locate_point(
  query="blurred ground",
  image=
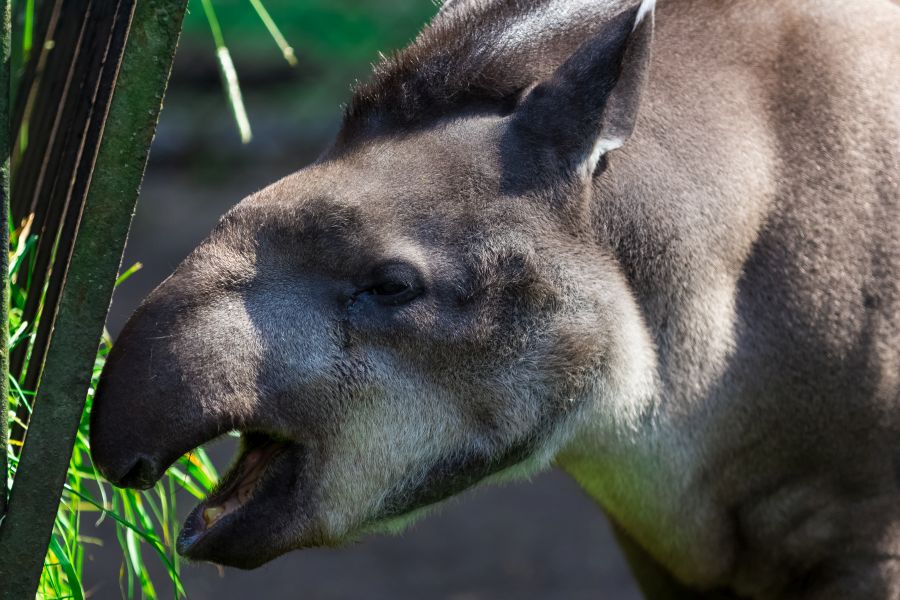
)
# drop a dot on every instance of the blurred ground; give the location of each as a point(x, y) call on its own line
point(543, 539)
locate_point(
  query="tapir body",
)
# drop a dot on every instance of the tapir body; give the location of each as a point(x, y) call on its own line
point(660, 249)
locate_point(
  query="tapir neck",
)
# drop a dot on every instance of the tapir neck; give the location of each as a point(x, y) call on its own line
point(630, 452)
point(647, 485)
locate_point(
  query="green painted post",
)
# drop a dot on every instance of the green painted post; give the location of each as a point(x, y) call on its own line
point(4, 242)
point(88, 288)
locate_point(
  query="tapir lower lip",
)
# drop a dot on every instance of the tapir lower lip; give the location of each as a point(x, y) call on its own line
point(255, 459)
point(216, 542)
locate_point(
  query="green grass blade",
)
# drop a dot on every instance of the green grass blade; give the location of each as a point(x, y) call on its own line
point(129, 272)
point(229, 75)
point(28, 31)
point(150, 538)
point(185, 481)
point(126, 575)
point(72, 579)
point(18, 335)
point(286, 50)
point(233, 89)
point(22, 250)
point(200, 468)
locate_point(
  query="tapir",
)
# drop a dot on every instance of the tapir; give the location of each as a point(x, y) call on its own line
point(657, 246)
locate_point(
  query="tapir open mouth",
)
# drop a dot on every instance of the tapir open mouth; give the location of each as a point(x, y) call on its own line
point(238, 494)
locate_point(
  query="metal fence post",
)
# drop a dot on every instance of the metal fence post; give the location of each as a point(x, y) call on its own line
point(5, 146)
point(86, 293)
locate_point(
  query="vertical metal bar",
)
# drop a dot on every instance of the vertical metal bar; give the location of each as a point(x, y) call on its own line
point(43, 159)
point(4, 241)
point(68, 162)
point(29, 87)
point(87, 291)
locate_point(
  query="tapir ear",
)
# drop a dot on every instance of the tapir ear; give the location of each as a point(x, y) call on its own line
point(588, 107)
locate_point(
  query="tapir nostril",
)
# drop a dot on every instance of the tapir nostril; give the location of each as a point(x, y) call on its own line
point(140, 476)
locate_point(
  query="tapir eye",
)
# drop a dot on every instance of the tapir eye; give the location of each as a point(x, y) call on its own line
point(390, 288)
point(395, 284)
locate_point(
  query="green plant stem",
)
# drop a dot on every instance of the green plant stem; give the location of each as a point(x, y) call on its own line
point(213, 21)
point(229, 75)
point(28, 30)
point(276, 34)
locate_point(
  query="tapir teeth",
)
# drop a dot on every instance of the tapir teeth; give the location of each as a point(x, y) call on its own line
point(212, 514)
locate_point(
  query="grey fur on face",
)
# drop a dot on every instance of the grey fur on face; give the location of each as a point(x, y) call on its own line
point(661, 250)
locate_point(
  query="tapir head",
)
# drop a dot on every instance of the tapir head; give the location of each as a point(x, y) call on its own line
point(425, 307)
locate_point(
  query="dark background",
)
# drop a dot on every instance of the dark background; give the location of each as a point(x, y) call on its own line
point(543, 539)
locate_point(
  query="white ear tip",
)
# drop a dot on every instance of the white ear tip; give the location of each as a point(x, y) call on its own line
point(646, 8)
